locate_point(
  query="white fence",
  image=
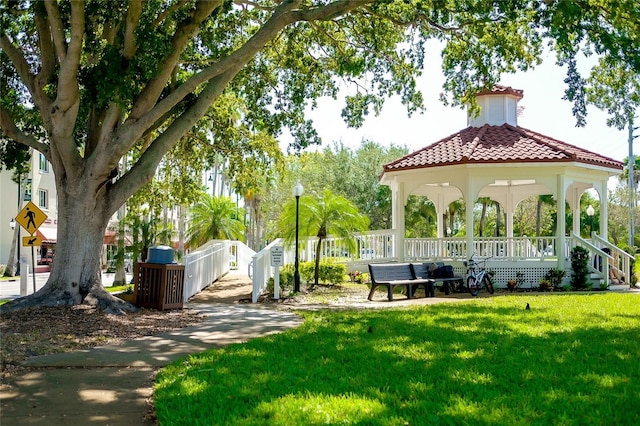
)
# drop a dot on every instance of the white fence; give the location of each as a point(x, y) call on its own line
point(532, 257)
point(205, 265)
point(260, 269)
point(517, 248)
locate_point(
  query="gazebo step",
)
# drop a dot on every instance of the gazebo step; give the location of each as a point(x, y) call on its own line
point(619, 287)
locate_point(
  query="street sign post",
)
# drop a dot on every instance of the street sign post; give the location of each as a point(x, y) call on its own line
point(30, 218)
point(277, 260)
point(32, 240)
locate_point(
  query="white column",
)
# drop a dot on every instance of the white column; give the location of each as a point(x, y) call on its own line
point(574, 203)
point(561, 240)
point(470, 201)
point(604, 209)
point(397, 217)
point(440, 210)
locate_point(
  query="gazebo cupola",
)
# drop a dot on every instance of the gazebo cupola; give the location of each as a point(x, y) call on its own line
point(497, 107)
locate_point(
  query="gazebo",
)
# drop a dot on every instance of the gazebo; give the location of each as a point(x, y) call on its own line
point(494, 157)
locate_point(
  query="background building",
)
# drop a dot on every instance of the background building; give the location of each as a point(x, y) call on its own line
point(39, 187)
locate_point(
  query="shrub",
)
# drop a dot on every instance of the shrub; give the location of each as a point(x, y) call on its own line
point(329, 272)
point(555, 277)
point(286, 279)
point(579, 267)
point(359, 277)
point(2, 269)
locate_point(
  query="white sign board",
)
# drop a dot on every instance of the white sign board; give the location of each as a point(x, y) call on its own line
point(277, 256)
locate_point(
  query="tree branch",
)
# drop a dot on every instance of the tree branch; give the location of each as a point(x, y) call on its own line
point(133, 19)
point(285, 14)
point(329, 11)
point(47, 54)
point(57, 29)
point(279, 20)
point(19, 62)
point(183, 36)
point(68, 90)
point(144, 169)
point(167, 12)
point(9, 129)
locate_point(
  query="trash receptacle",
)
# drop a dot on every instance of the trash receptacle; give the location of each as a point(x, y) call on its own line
point(160, 254)
point(159, 283)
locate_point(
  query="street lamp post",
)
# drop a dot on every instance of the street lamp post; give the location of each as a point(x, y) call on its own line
point(297, 192)
point(590, 212)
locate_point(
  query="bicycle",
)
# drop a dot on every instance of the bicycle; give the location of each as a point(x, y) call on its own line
point(477, 276)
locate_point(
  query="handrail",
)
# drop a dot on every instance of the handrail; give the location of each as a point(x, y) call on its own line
point(262, 269)
point(625, 260)
point(595, 254)
point(205, 265)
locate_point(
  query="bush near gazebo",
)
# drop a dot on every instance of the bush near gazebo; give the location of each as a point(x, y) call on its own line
point(579, 267)
point(330, 272)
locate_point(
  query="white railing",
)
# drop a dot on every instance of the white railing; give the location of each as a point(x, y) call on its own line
point(621, 257)
point(260, 269)
point(205, 265)
point(535, 255)
point(499, 248)
point(368, 245)
point(600, 261)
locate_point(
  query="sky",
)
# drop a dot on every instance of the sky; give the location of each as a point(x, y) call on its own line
point(544, 111)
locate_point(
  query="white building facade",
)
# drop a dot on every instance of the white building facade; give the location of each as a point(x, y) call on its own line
point(39, 187)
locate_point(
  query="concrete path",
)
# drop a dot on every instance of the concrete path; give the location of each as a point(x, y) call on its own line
point(112, 385)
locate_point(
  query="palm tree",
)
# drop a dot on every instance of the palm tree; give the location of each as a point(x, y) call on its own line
point(455, 209)
point(323, 215)
point(214, 218)
point(543, 200)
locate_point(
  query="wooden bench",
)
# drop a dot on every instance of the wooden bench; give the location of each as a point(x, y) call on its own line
point(426, 270)
point(392, 275)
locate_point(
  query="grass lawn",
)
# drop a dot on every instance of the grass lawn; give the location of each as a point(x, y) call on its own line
point(569, 360)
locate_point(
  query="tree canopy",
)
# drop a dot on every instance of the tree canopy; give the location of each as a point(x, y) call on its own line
point(89, 83)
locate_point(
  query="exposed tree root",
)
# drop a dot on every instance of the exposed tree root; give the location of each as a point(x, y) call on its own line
point(99, 298)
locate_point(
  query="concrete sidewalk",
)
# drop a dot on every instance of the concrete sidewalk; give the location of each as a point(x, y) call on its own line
point(112, 385)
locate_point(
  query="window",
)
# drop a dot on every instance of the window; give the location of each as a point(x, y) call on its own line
point(43, 199)
point(44, 164)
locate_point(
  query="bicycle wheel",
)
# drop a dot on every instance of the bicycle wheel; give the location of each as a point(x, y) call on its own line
point(488, 284)
point(473, 286)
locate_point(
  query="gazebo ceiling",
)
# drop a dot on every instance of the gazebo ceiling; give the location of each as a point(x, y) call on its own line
point(504, 144)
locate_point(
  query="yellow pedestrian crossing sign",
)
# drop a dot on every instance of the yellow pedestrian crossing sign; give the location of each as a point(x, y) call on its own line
point(32, 240)
point(31, 217)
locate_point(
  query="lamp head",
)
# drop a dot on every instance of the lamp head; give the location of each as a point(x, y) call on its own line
point(590, 210)
point(298, 189)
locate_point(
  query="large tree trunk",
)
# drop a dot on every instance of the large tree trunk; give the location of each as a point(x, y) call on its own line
point(75, 276)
